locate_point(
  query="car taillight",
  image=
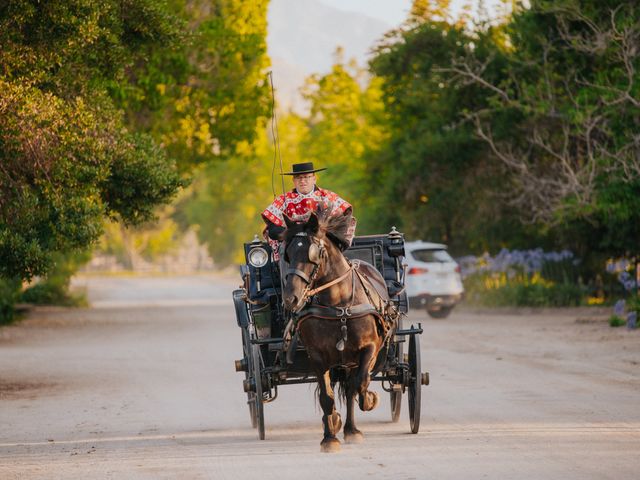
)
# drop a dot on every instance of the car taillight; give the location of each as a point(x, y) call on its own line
point(417, 270)
point(458, 268)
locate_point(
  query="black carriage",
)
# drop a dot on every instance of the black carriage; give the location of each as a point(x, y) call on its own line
point(270, 360)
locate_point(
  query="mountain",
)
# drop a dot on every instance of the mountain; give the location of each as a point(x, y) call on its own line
point(302, 39)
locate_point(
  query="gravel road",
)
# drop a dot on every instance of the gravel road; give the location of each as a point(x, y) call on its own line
point(142, 386)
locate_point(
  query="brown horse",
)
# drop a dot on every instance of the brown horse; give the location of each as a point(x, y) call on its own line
point(339, 319)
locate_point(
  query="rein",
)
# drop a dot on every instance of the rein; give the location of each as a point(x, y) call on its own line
point(312, 292)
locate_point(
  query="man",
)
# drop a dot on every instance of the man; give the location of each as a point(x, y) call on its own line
point(298, 203)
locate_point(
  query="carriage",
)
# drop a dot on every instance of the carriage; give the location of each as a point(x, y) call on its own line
point(272, 357)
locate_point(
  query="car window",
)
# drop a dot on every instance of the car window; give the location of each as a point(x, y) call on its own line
point(431, 255)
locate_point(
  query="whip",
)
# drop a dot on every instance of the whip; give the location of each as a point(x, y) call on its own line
point(276, 139)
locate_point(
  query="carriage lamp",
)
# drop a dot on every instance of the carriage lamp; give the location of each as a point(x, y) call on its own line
point(258, 257)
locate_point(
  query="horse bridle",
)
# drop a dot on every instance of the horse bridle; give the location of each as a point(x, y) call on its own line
point(316, 252)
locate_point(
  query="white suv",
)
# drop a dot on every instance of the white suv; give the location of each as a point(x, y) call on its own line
point(433, 278)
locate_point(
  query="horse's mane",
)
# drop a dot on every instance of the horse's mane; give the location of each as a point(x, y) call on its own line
point(334, 227)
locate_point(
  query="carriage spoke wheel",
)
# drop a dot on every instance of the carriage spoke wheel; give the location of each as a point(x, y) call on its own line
point(257, 375)
point(415, 383)
point(396, 404)
point(251, 401)
point(396, 396)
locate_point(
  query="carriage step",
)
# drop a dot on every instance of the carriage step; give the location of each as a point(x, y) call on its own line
point(425, 379)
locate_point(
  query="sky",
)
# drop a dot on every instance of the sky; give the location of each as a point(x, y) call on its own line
point(393, 12)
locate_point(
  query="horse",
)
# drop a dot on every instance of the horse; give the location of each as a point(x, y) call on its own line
point(340, 318)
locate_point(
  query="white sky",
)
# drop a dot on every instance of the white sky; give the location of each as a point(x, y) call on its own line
point(394, 12)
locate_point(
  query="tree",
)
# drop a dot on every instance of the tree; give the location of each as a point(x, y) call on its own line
point(346, 120)
point(93, 95)
point(563, 115)
point(436, 178)
point(206, 97)
point(67, 158)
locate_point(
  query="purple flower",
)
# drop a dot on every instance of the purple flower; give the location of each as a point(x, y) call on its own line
point(618, 308)
point(627, 281)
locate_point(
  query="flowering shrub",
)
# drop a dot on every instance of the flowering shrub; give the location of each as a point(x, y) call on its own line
point(522, 278)
point(622, 267)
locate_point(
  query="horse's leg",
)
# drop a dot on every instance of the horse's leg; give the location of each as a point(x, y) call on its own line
point(331, 419)
point(366, 400)
point(351, 433)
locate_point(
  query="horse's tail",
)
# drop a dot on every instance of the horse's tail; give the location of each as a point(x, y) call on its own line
point(340, 393)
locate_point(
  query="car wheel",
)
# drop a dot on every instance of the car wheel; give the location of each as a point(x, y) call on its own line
point(442, 312)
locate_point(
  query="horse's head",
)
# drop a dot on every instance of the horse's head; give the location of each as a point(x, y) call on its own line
point(309, 248)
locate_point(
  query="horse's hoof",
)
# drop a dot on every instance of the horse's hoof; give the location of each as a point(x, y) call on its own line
point(368, 401)
point(353, 437)
point(330, 445)
point(335, 422)
point(375, 399)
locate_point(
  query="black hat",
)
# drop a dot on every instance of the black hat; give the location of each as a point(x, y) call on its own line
point(302, 168)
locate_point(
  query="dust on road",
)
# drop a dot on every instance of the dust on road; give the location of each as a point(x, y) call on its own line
point(142, 386)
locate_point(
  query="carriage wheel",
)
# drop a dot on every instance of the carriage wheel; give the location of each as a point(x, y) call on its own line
point(396, 404)
point(257, 375)
point(251, 401)
point(396, 397)
point(415, 383)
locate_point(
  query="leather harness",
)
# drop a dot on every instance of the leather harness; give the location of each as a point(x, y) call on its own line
point(350, 311)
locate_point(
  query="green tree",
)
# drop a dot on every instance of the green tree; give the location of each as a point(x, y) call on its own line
point(435, 179)
point(346, 120)
point(206, 97)
point(67, 158)
point(563, 117)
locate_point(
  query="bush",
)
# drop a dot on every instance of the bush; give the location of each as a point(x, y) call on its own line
point(532, 295)
point(45, 293)
point(616, 321)
point(54, 289)
point(523, 278)
point(633, 304)
point(9, 293)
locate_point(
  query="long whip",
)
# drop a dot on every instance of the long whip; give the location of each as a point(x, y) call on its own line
point(277, 155)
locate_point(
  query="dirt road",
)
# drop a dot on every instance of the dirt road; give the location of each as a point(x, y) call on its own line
point(142, 386)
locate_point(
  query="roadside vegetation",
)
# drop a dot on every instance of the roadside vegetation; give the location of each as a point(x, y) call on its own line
point(105, 108)
point(513, 136)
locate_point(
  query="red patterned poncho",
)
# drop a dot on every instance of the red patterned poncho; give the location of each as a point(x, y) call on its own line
point(298, 207)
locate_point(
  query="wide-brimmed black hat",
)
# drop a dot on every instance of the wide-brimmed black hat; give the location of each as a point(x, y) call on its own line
point(302, 168)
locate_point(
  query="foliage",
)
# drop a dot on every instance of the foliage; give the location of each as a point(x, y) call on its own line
point(616, 321)
point(345, 121)
point(533, 295)
point(633, 304)
point(99, 101)
point(226, 199)
point(562, 115)
point(67, 158)
point(203, 98)
point(54, 288)
point(522, 278)
point(207, 101)
point(148, 241)
point(9, 294)
point(434, 167)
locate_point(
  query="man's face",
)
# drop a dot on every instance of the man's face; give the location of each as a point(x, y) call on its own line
point(304, 183)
